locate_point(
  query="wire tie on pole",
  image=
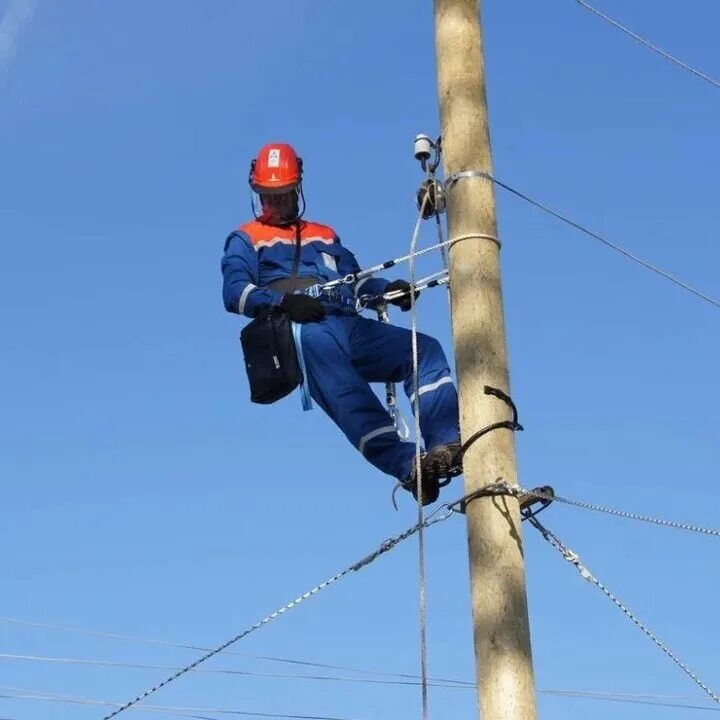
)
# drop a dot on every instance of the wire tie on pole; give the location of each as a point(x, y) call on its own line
point(475, 236)
point(498, 488)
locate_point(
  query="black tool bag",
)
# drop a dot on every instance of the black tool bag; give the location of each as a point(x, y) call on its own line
point(271, 360)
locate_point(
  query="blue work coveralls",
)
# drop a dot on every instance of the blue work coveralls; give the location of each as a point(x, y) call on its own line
point(344, 352)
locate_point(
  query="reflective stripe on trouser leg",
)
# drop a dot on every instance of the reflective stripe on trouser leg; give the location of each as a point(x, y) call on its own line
point(348, 399)
point(383, 352)
point(388, 430)
point(430, 387)
point(439, 415)
point(437, 396)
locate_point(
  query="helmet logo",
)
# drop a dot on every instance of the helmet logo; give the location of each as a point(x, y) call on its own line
point(274, 157)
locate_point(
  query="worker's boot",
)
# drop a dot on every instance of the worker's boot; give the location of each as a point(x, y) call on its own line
point(430, 482)
point(444, 461)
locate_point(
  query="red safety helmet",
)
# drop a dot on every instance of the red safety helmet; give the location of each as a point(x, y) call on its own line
point(276, 169)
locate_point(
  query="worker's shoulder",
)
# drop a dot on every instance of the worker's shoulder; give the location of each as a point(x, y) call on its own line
point(310, 226)
point(238, 235)
point(312, 230)
point(255, 229)
point(260, 233)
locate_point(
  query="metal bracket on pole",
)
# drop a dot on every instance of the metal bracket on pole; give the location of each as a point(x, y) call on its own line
point(528, 499)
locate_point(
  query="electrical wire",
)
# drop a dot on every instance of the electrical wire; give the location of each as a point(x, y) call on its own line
point(578, 226)
point(648, 44)
point(411, 682)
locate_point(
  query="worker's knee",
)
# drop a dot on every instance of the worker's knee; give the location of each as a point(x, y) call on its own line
point(430, 350)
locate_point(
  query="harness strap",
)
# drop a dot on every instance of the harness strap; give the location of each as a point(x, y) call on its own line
point(291, 284)
point(304, 387)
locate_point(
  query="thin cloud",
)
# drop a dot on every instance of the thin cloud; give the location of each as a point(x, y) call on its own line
point(17, 14)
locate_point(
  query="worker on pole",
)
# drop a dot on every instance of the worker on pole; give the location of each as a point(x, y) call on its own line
point(273, 268)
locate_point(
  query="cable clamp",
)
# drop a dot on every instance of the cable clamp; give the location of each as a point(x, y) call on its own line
point(574, 558)
point(465, 174)
point(542, 496)
point(430, 198)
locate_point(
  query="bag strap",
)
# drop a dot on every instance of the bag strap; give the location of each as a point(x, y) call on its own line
point(296, 328)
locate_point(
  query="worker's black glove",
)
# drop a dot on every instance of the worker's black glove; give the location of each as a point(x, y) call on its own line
point(302, 308)
point(403, 302)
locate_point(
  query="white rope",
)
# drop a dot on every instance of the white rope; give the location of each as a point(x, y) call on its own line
point(432, 280)
point(418, 468)
point(367, 272)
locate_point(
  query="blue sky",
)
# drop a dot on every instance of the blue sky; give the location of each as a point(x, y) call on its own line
point(144, 495)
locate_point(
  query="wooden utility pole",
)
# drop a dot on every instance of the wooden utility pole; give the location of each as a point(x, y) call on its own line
point(497, 576)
